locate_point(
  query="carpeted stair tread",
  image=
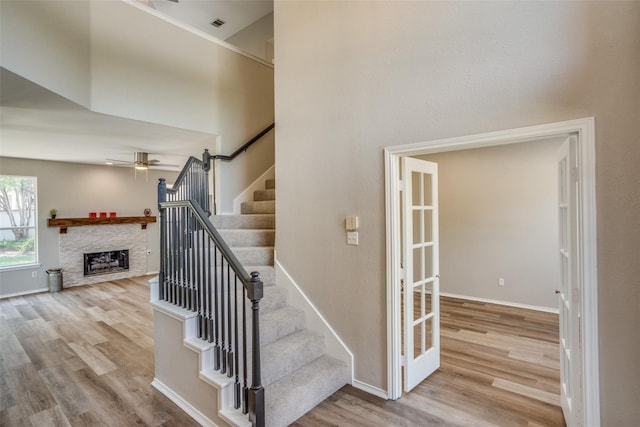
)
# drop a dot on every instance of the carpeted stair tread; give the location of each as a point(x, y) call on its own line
point(258, 221)
point(270, 184)
point(257, 255)
point(260, 195)
point(280, 323)
point(248, 237)
point(290, 353)
point(275, 298)
point(261, 207)
point(294, 395)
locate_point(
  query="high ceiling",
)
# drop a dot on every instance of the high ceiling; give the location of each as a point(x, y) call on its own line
point(36, 123)
point(236, 14)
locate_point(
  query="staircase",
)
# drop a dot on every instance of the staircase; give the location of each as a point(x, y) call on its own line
point(297, 374)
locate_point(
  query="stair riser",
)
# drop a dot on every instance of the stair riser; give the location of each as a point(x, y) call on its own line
point(280, 323)
point(255, 256)
point(265, 207)
point(291, 397)
point(263, 222)
point(270, 184)
point(262, 195)
point(244, 238)
point(290, 353)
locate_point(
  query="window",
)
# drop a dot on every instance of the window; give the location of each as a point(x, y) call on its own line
point(18, 231)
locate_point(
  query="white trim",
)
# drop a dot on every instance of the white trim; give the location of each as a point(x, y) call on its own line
point(315, 320)
point(15, 267)
point(584, 130)
point(20, 294)
point(196, 32)
point(368, 388)
point(173, 311)
point(247, 194)
point(392, 199)
point(182, 404)
point(498, 302)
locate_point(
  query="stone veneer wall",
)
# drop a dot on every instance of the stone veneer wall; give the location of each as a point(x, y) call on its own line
point(98, 238)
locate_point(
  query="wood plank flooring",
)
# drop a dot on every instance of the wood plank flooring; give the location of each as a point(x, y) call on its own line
point(499, 367)
point(84, 357)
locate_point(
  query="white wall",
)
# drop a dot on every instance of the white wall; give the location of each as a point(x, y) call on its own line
point(75, 190)
point(253, 39)
point(355, 77)
point(63, 26)
point(498, 218)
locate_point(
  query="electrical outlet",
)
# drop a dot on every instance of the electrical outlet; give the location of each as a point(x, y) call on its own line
point(34, 274)
point(501, 281)
point(352, 238)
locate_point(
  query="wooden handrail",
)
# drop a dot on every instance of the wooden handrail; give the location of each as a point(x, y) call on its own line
point(245, 146)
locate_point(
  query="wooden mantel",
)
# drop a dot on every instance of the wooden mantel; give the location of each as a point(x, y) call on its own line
point(63, 223)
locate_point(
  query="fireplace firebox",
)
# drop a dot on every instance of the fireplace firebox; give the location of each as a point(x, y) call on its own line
point(107, 262)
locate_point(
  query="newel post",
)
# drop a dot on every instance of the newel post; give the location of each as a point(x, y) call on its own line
point(162, 197)
point(256, 392)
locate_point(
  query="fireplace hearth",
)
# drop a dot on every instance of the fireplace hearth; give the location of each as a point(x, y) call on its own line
point(107, 262)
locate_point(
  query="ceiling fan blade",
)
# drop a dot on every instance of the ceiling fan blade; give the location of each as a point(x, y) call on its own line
point(125, 162)
point(163, 164)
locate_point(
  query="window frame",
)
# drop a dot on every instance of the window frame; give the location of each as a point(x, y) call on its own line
point(36, 258)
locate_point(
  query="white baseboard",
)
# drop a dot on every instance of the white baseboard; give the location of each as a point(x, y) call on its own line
point(182, 404)
point(315, 320)
point(20, 294)
point(247, 194)
point(370, 389)
point(506, 303)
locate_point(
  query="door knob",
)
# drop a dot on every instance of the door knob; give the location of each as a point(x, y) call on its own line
point(558, 292)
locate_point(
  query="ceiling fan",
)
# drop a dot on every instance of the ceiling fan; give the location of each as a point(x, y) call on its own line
point(141, 161)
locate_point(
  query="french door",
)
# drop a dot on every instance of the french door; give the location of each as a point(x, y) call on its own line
point(569, 294)
point(420, 278)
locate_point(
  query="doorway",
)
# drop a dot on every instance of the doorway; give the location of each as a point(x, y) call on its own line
point(582, 131)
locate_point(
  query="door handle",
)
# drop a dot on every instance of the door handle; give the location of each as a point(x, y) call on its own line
point(558, 292)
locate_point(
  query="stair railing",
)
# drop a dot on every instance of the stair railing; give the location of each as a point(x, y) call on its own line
point(210, 159)
point(199, 272)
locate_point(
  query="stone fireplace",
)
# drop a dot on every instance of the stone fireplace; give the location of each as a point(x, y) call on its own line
point(105, 245)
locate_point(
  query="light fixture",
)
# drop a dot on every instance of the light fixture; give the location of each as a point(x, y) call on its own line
point(141, 161)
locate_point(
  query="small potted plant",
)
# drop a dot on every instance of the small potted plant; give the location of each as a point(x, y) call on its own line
point(53, 212)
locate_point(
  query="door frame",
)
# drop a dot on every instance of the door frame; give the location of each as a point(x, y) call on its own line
point(584, 130)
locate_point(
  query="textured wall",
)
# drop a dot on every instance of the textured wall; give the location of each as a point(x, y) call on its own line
point(498, 218)
point(355, 77)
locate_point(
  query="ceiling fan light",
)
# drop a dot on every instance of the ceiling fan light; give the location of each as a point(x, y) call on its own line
point(141, 167)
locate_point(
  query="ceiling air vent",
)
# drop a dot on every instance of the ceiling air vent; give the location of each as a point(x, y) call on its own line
point(217, 23)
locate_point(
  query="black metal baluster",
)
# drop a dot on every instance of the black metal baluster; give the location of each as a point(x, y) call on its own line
point(223, 368)
point(245, 356)
point(229, 326)
point(216, 312)
point(235, 342)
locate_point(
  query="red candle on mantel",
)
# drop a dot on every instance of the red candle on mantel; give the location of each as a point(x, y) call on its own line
point(112, 214)
point(92, 215)
point(103, 214)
